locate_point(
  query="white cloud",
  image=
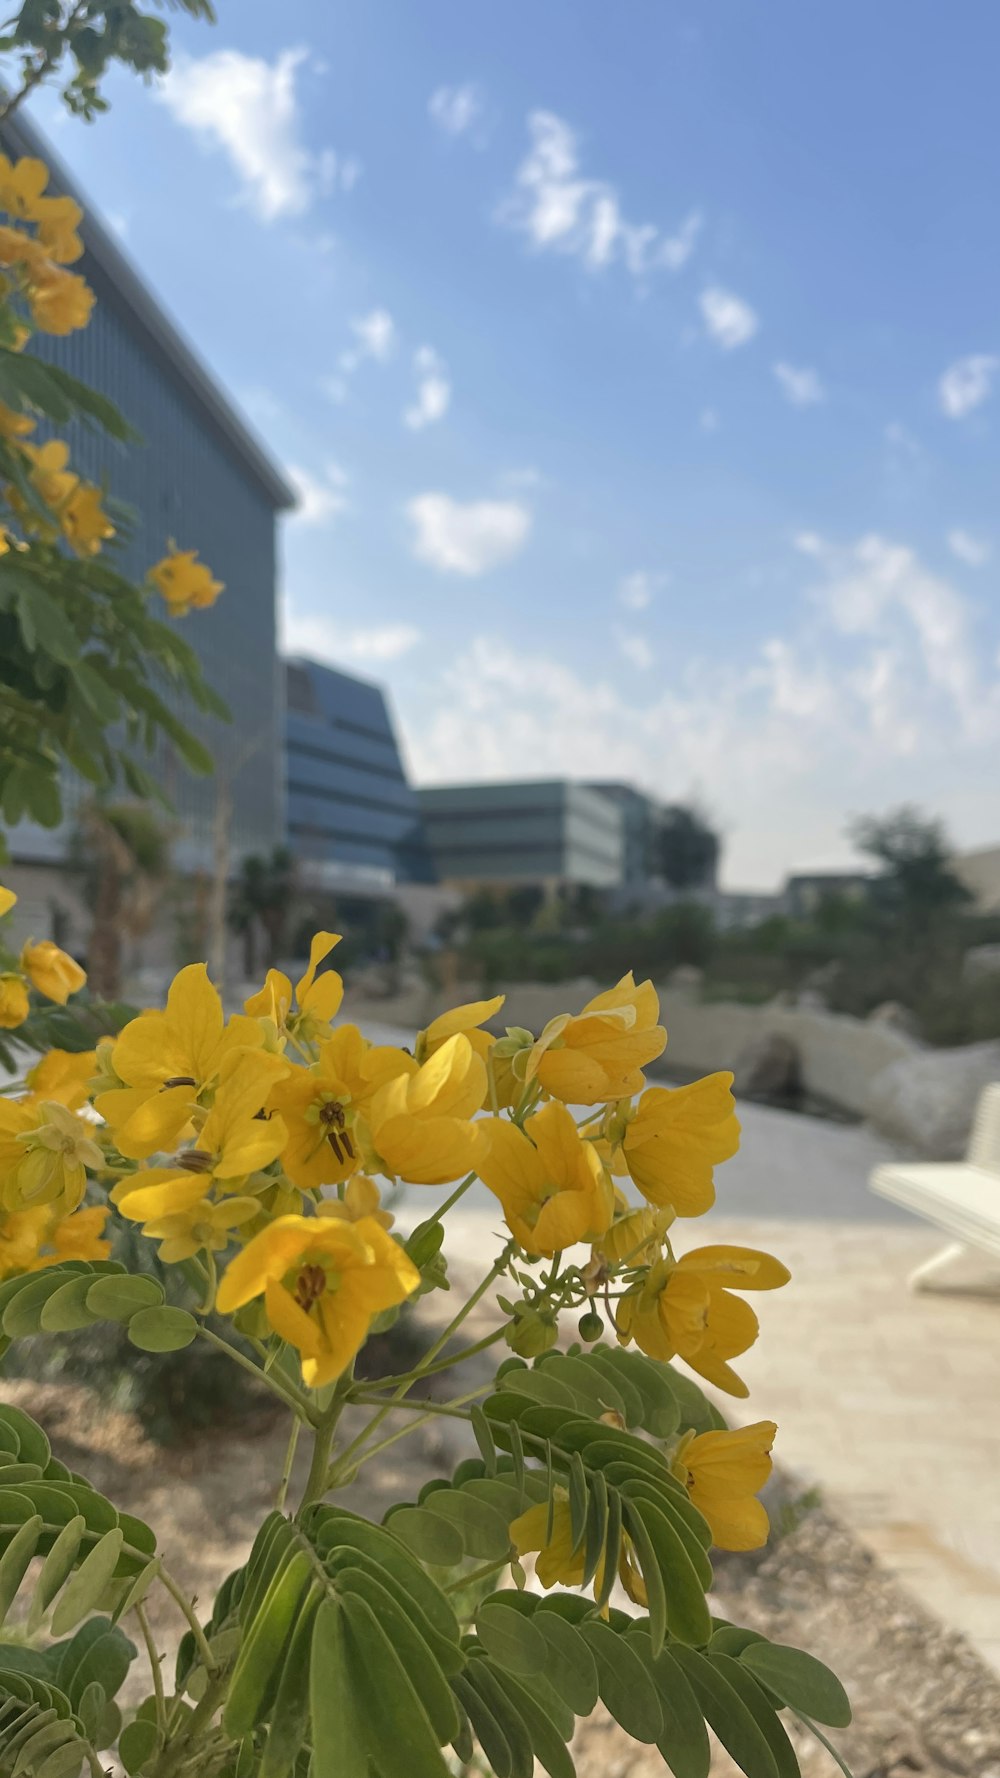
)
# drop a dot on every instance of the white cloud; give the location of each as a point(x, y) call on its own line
point(321, 498)
point(967, 383)
point(635, 591)
point(561, 211)
point(897, 435)
point(466, 538)
point(248, 107)
point(376, 337)
point(799, 385)
point(636, 650)
point(975, 552)
point(883, 689)
point(730, 321)
point(456, 108)
point(323, 638)
point(433, 397)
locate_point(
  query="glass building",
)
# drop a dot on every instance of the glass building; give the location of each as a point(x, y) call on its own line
point(554, 833)
point(200, 478)
point(353, 821)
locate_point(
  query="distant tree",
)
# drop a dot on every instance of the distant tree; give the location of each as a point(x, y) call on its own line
point(263, 896)
point(686, 849)
point(915, 881)
point(523, 902)
point(121, 852)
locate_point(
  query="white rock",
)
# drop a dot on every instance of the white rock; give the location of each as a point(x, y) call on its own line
point(927, 1101)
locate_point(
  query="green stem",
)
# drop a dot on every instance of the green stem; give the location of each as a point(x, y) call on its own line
point(155, 1667)
point(317, 1481)
point(286, 1473)
point(459, 1192)
point(478, 1574)
point(440, 1364)
point(201, 1641)
point(343, 1463)
point(291, 1397)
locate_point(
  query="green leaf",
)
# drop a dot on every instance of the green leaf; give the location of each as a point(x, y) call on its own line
point(486, 1688)
point(432, 1538)
point(403, 1628)
point(735, 1725)
point(390, 1707)
point(86, 1586)
point(339, 1746)
point(800, 1681)
point(120, 1297)
point(259, 1662)
point(138, 1745)
point(164, 1329)
point(67, 1308)
point(290, 1714)
point(15, 1560)
point(511, 1638)
point(625, 1685)
point(547, 1744)
point(56, 1568)
point(684, 1741)
point(487, 1729)
point(569, 1663)
point(762, 1711)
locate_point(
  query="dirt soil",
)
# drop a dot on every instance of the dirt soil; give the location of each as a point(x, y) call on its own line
point(924, 1703)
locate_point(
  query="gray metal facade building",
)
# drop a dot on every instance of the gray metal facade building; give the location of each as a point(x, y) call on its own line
point(201, 479)
point(353, 820)
point(553, 832)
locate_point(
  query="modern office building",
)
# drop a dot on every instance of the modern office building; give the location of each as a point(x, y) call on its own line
point(640, 822)
point(200, 478)
point(555, 833)
point(353, 821)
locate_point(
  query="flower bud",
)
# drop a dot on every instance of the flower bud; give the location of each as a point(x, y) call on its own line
point(590, 1326)
point(532, 1331)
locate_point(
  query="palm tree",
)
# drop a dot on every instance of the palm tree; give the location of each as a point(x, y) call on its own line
point(262, 896)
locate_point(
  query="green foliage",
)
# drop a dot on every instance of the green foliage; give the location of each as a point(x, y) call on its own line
point(89, 35)
point(686, 848)
point(348, 1643)
point(263, 893)
point(90, 676)
point(916, 881)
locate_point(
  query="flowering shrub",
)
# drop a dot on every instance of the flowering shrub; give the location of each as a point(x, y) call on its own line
point(254, 1151)
point(81, 648)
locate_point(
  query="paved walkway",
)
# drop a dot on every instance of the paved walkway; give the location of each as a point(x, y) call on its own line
point(885, 1400)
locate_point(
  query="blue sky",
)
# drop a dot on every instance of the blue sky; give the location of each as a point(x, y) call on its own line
point(639, 368)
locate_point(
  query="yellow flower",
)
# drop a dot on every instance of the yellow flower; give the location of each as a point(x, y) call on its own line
point(723, 1472)
point(671, 1140)
point(320, 1105)
point(57, 220)
point(318, 997)
point(21, 185)
point(361, 1198)
point(14, 1003)
point(14, 425)
point(323, 1281)
point(185, 583)
point(418, 1126)
point(55, 483)
point(466, 1018)
point(74, 1237)
point(45, 1150)
point(232, 1143)
point(18, 248)
point(635, 1237)
point(201, 1225)
point(599, 1053)
point(8, 897)
point(553, 1186)
point(166, 1061)
point(63, 1075)
point(85, 523)
point(21, 1235)
point(51, 971)
point(557, 1562)
point(60, 302)
point(685, 1308)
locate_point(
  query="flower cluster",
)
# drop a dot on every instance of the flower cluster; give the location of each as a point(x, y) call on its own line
point(43, 966)
point(38, 241)
point(254, 1150)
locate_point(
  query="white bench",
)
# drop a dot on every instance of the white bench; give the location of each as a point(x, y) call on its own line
point(960, 1197)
